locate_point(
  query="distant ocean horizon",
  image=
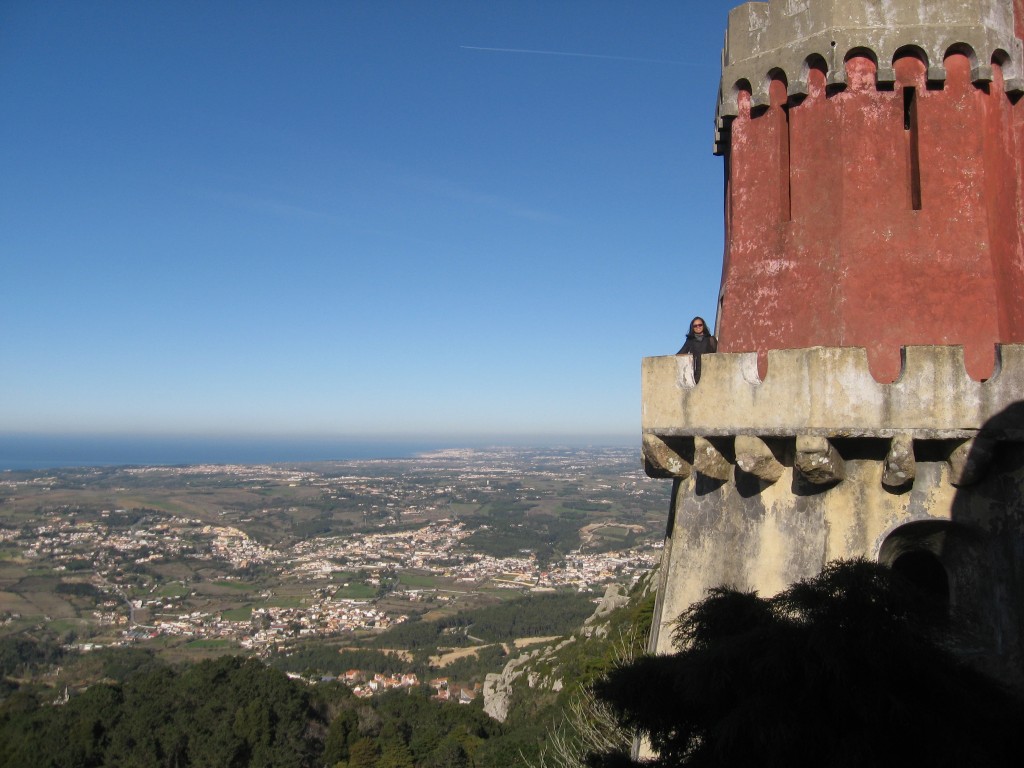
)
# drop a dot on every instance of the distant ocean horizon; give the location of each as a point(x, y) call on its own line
point(34, 452)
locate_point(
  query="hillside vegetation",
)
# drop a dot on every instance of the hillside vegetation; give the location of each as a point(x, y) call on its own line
point(129, 708)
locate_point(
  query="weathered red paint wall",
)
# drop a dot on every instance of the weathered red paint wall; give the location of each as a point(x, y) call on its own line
point(1004, 172)
point(824, 247)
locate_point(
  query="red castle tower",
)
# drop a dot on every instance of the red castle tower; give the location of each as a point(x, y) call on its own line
point(867, 399)
point(873, 178)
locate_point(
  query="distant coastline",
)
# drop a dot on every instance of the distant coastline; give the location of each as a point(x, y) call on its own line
point(35, 452)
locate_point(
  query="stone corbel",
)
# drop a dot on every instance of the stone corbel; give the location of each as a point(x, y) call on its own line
point(708, 460)
point(755, 457)
point(836, 77)
point(900, 467)
point(1013, 85)
point(759, 98)
point(969, 460)
point(818, 461)
point(981, 73)
point(885, 76)
point(667, 457)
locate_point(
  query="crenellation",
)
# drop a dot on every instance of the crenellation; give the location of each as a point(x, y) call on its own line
point(762, 38)
point(830, 391)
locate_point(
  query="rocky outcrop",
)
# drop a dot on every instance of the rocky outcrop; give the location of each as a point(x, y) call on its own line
point(498, 686)
point(614, 598)
point(538, 668)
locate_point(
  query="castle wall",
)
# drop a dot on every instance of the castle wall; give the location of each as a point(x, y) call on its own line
point(763, 537)
point(775, 477)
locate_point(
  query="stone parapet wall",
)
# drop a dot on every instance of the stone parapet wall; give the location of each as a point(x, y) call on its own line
point(773, 478)
point(829, 392)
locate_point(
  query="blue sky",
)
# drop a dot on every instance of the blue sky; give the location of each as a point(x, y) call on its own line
point(351, 218)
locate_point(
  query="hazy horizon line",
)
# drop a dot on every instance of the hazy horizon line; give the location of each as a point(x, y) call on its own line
point(38, 451)
point(340, 436)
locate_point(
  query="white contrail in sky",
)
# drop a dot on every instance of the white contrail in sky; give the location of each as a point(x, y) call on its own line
point(567, 53)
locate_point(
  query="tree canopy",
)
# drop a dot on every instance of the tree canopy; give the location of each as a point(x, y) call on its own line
point(227, 712)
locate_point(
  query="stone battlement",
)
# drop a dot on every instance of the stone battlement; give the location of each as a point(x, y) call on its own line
point(790, 36)
point(829, 391)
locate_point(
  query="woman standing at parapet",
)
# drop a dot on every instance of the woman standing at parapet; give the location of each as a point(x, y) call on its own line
point(699, 341)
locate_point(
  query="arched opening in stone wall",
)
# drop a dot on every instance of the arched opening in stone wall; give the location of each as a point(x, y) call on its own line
point(915, 552)
point(924, 571)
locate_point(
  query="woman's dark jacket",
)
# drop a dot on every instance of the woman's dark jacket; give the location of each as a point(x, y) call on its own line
point(695, 346)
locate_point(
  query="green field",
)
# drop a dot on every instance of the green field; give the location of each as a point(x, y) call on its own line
point(238, 586)
point(356, 592)
point(237, 614)
point(419, 580)
point(173, 590)
point(210, 644)
point(15, 603)
point(285, 601)
point(458, 509)
point(62, 625)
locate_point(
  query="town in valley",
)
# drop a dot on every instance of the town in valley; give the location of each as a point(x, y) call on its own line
point(242, 558)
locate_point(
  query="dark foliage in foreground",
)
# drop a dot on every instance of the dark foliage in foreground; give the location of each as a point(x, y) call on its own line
point(844, 669)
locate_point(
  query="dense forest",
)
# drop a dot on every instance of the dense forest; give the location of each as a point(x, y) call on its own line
point(238, 712)
point(226, 712)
